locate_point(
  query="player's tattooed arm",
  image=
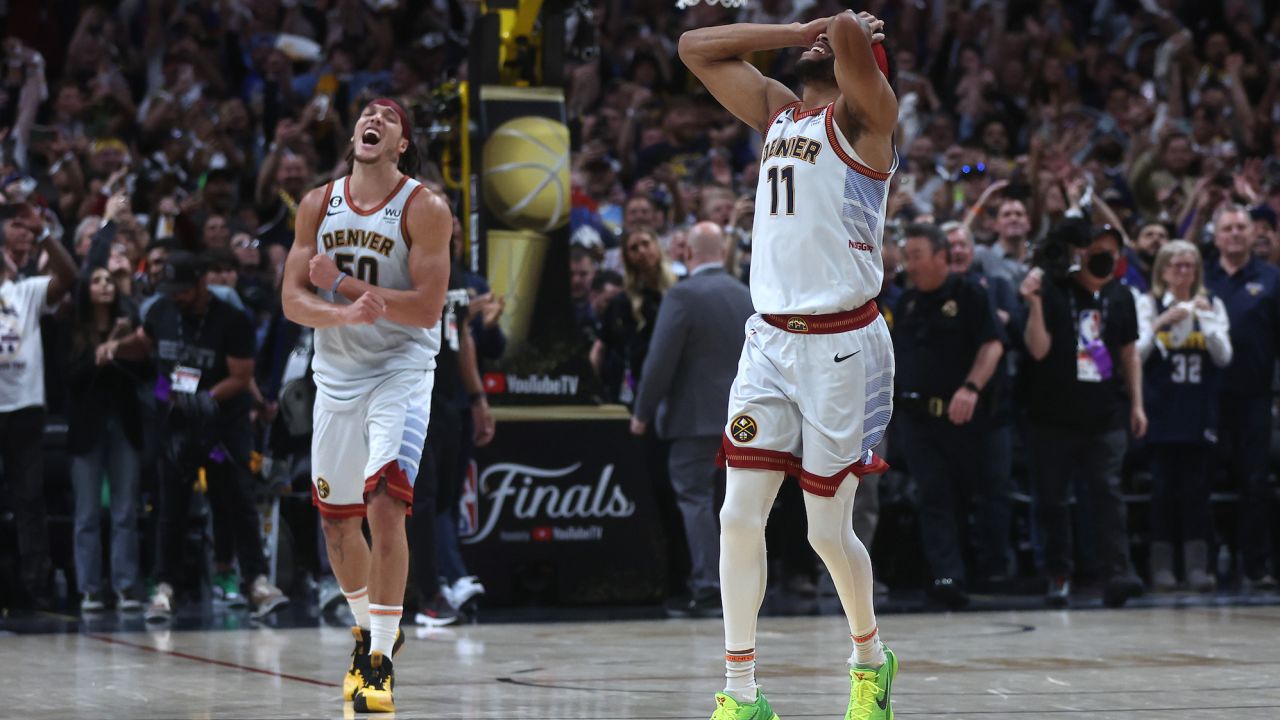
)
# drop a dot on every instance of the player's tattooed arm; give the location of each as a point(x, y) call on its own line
point(297, 294)
point(714, 54)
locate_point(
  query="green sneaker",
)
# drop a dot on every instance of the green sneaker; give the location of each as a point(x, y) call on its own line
point(727, 708)
point(871, 689)
point(226, 589)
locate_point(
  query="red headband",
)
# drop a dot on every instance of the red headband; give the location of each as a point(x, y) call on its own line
point(882, 58)
point(405, 125)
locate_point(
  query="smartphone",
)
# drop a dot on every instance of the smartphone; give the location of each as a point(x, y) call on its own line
point(907, 182)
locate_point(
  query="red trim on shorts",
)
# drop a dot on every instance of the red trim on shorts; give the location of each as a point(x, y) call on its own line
point(328, 195)
point(335, 512)
point(840, 153)
point(398, 485)
point(828, 324)
point(827, 486)
point(749, 458)
point(777, 114)
point(346, 190)
point(404, 217)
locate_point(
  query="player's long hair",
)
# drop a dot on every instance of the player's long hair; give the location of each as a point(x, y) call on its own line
point(658, 280)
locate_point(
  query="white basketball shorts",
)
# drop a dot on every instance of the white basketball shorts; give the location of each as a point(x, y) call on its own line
point(810, 401)
point(374, 436)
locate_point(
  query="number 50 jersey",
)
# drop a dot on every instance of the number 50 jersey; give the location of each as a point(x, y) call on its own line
point(370, 244)
point(819, 222)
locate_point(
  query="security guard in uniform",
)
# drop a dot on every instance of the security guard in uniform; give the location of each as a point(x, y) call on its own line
point(947, 344)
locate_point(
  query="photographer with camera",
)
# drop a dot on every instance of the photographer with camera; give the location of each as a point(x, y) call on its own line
point(1081, 335)
point(205, 350)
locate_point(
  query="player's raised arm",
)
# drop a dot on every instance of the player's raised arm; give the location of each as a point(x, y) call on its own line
point(297, 295)
point(714, 54)
point(864, 88)
point(427, 230)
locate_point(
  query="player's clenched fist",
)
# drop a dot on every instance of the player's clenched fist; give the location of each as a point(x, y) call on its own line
point(368, 308)
point(323, 271)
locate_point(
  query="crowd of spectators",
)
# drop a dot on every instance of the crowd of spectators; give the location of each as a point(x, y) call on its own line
point(1147, 131)
point(165, 145)
point(152, 158)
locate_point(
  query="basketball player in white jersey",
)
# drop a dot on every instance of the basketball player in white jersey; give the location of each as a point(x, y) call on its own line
point(814, 388)
point(368, 269)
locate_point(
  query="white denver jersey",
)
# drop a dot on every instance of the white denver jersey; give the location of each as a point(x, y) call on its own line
point(371, 245)
point(815, 246)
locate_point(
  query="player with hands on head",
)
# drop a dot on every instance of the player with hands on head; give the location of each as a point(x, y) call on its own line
point(820, 208)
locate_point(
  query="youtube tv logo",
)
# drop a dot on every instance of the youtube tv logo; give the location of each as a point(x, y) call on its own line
point(495, 383)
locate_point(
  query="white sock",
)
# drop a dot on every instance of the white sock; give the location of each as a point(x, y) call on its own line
point(868, 652)
point(740, 675)
point(358, 601)
point(385, 623)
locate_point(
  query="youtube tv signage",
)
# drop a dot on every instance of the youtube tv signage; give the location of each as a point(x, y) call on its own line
point(557, 510)
point(556, 388)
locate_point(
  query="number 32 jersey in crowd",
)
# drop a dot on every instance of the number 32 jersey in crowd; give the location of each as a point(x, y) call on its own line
point(370, 244)
point(819, 218)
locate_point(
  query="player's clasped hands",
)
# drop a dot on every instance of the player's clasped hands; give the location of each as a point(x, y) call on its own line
point(811, 30)
point(365, 310)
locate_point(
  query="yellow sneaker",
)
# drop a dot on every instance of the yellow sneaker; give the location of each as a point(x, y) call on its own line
point(352, 679)
point(870, 690)
point(377, 679)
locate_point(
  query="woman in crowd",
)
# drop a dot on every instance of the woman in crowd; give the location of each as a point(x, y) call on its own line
point(1184, 349)
point(105, 435)
point(627, 323)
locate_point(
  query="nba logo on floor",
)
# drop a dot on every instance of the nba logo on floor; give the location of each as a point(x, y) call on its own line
point(469, 503)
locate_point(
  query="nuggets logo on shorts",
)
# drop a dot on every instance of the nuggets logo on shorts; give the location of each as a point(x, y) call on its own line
point(322, 488)
point(796, 325)
point(743, 428)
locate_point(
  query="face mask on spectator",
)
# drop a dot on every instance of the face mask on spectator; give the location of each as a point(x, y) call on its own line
point(1101, 265)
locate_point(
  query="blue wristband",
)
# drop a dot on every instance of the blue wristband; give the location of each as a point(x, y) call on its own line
point(341, 276)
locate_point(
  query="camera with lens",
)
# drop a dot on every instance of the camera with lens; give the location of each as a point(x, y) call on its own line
point(192, 425)
point(1055, 254)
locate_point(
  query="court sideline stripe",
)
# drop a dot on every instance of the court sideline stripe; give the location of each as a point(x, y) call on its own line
point(210, 661)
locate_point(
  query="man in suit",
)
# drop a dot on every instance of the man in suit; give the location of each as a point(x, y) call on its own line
point(685, 385)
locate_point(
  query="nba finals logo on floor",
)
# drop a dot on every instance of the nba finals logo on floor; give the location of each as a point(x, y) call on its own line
point(322, 488)
point(744, 428)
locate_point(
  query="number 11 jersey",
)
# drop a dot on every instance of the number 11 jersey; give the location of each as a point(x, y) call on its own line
point(819, 222)
point(372, 245)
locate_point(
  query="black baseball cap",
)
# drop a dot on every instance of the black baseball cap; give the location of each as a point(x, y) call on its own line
point(182, 271)
point(1109, 229)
